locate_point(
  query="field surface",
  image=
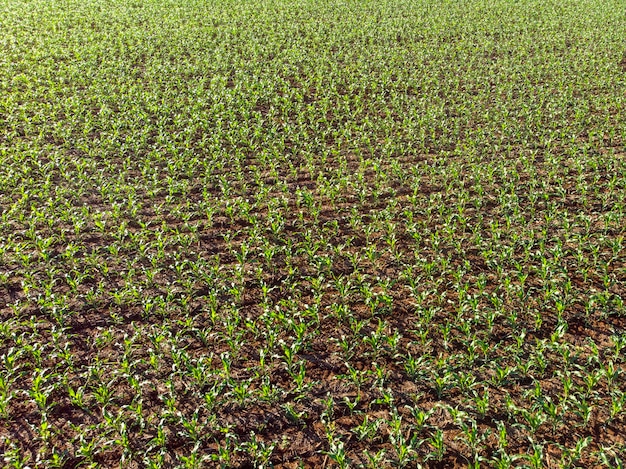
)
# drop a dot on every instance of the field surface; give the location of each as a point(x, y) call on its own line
point(312, 233)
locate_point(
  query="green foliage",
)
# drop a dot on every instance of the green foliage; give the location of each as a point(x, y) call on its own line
point(360, 233)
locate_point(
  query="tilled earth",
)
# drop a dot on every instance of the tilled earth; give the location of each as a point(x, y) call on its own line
point(349, 242)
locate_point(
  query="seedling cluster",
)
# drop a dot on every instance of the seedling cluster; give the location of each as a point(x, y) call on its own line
point(271, 233)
